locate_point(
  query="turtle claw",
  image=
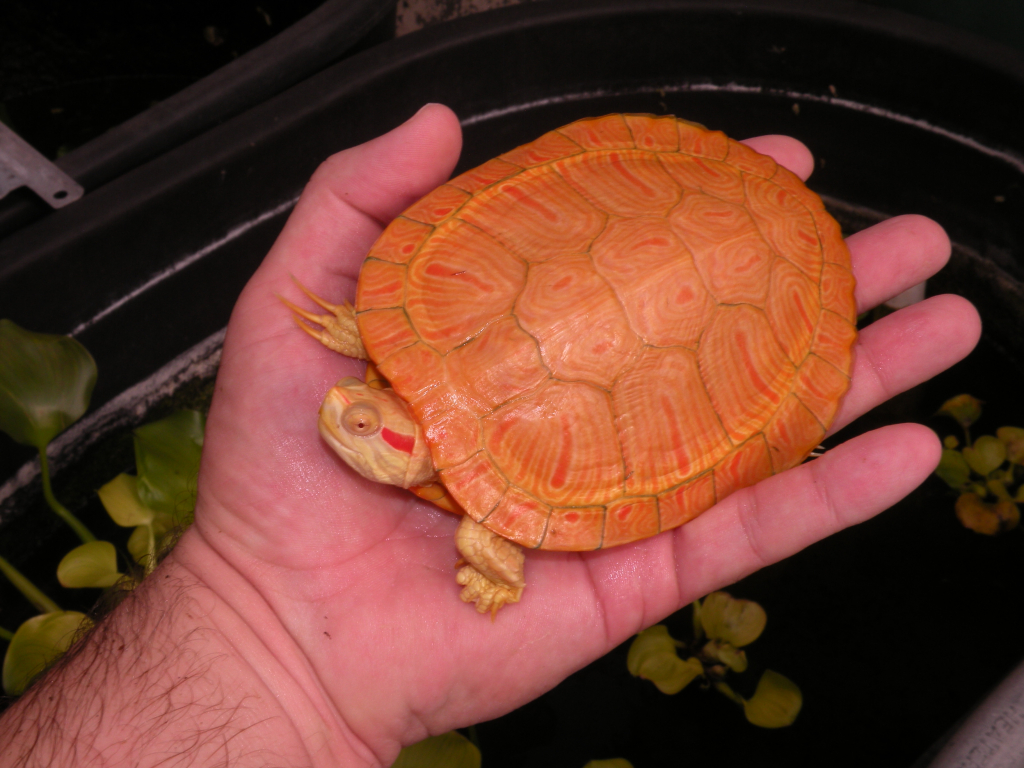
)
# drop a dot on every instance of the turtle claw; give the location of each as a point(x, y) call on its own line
point(488, 595)
point(337, 331)
point(492, 567)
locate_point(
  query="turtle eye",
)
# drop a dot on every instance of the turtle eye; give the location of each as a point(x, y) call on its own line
point(361, 419)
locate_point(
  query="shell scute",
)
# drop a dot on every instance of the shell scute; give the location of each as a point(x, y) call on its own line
point(697, 140)
point(551, 146)
point(746, 372)
point(833, 340)
point(574, 529)
point(746, 159)
point(381, 285)
point(608, 132)
point(536, 216)
point(464, 263)
point(731, 257)
point(559, 444)
point(658, 134)
point(792, 309)
point(791, 434)
point(748, 464)
point(401, 240)
point(501, 363)
point(681, 504)
point(580, 326)
point(629, 519)
point(786, 224)
point(712, 177)
point(481, 177)
point(384, 332)
point(519, 517)
point(654, 278)
point(837, 291)
point(668, 428)
point(438, 206)
point(624, 182)
point(476, 478)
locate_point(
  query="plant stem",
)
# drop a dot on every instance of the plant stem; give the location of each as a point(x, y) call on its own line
point(31, 592)
point(729, 693)
point(76, 525)
point(6, 634)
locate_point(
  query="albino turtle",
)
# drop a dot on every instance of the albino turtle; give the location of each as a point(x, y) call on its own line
point(592, 339)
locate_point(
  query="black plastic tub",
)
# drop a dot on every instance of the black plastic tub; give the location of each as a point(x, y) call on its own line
point(892, 629)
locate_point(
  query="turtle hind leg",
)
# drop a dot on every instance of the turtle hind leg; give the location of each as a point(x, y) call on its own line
point(336, 331)
point(493, 571)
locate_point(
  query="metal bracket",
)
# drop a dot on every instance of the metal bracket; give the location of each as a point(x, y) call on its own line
point(22, 166)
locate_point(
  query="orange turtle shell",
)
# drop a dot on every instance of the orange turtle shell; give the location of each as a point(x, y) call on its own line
point(609, 329)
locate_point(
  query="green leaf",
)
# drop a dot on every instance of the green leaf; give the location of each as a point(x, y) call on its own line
point(775, 703)
point(739, 622)
point(167, 454)
point(45, 384)
point(732, 657)
point(90, 565)
point(36, 645)
point(982, 517)
point(120, 498)
point(953, 469)
point(1013, 439)
point(615, 762)
point(987, 454)
point(449, 750)
point(964, 408)
point(653, 657)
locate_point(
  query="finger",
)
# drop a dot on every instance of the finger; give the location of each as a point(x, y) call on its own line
point(786, 151)
point(894, 255)
point(906, 348)
point(354, 193)
point(780, 516)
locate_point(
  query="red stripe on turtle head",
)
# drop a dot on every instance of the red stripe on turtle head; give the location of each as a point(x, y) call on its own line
point(397, 441)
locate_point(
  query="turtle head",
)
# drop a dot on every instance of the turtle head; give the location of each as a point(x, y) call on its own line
point(375, 434)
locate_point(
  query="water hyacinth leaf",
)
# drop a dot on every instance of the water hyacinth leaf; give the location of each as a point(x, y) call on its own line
point(652, 656)
point(964, 408)
point(1013, 439)
point(615, 762)
point(998, 489)
point(93, 564)
point(950, 441)
point(732, 657)
point(36, 645)
point(739, 622)
point(167, 456)
point(776, 701)
point(987, 453)
point(449, 750)
point(46, 382)
point(953, 469)
point(120, 498)
point(982, 517)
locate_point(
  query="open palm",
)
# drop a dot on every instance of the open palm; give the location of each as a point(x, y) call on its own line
point(360, 576)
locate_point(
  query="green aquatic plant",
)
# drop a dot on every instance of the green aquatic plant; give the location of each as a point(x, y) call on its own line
point(722, 627)
point(46, 383)
point(988, 473)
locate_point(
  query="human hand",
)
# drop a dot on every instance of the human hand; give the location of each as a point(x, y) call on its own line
point(361, 575)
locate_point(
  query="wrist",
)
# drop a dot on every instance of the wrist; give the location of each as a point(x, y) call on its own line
point(192, 668)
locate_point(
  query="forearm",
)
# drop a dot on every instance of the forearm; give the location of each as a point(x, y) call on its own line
point(177, 676)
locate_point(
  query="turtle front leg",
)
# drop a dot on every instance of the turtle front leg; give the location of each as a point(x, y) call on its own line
point(493, 573)
point(337, 330)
